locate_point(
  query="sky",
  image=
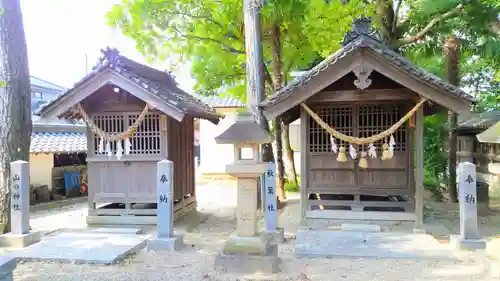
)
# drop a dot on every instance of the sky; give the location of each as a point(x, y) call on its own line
point(60, 33)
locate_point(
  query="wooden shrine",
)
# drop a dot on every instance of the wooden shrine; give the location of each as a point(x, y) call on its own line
point(361, 116)
point(136, 116)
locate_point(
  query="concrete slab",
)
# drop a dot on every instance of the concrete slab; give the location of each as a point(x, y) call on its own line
point(360, 227)
point(325, 243)
point(93, 248)
point(15, 241)
point(117, 230)
point(7, 266)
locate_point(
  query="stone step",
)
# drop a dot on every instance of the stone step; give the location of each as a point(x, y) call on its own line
point(117, 230)
point(360, 227)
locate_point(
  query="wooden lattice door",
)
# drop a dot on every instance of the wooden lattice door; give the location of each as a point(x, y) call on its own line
point(335, 181)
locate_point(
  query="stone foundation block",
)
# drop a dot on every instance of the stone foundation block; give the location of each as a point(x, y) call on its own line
point(174, 243)
point(255, 245)
point(246, 264)
point(7, 266)
point(467, 244)
point(10, 240)
point(249, 255)
point(278, 236)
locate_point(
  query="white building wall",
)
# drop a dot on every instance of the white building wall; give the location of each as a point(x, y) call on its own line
point(214, 157)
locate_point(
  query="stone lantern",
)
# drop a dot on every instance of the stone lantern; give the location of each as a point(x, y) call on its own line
point(247, 250)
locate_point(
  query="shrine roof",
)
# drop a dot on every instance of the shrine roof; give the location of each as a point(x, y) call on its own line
point(478, 121)
point(245, 130)
point(363, 37)
point(157, 83)
point(222, 102)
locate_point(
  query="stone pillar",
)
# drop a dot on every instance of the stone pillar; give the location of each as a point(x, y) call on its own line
point(7, 266)
point(20, 235)
point(165, 238)
point(246, 209)
point(271, 208)
point(469, 238)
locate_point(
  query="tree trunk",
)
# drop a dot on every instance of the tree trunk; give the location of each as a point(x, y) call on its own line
point(451, 48)
point(279, 159)
point(289, 153)
point(15, 99)
point(277, 78)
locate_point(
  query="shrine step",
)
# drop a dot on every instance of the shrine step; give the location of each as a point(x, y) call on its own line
point(360, 227)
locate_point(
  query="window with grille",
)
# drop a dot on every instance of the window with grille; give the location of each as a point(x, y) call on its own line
point(359, 121)
point(146, 140)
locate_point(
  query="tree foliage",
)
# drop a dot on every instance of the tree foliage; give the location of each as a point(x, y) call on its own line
point(209, 35)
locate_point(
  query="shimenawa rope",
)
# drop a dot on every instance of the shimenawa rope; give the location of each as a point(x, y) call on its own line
point(112, 137)
point(367, 140)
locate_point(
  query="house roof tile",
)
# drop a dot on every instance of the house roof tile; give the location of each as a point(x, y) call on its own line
point(58, 142)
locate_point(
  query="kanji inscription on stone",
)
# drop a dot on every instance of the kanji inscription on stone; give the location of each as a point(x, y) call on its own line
point(468, 201)
point(164, 191)
point(270, 198)
point(469, 198)
point(19, 197)
point(163, 179)
point(163, 198)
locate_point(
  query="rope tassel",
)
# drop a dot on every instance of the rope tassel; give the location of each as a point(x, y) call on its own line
point(363, 162)
point(385, 152)
point(342, 157)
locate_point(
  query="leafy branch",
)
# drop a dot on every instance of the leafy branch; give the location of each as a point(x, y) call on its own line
point(201, 38)
point(414, 38)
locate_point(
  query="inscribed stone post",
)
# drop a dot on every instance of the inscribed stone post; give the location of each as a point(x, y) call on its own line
point(271, 200)
point(468, 201)
point(164, 191)
point(20, 194)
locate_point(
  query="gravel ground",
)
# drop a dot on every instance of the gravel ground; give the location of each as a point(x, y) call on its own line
point(195, 261)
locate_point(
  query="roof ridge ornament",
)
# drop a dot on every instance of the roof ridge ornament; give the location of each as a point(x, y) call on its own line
point(110, 56)
point(360, 26)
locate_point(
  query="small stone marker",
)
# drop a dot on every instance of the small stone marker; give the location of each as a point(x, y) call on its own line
point(19, 197)
point(20, 235)
point(165, 239)
point(272, 205)
point(469, 238)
